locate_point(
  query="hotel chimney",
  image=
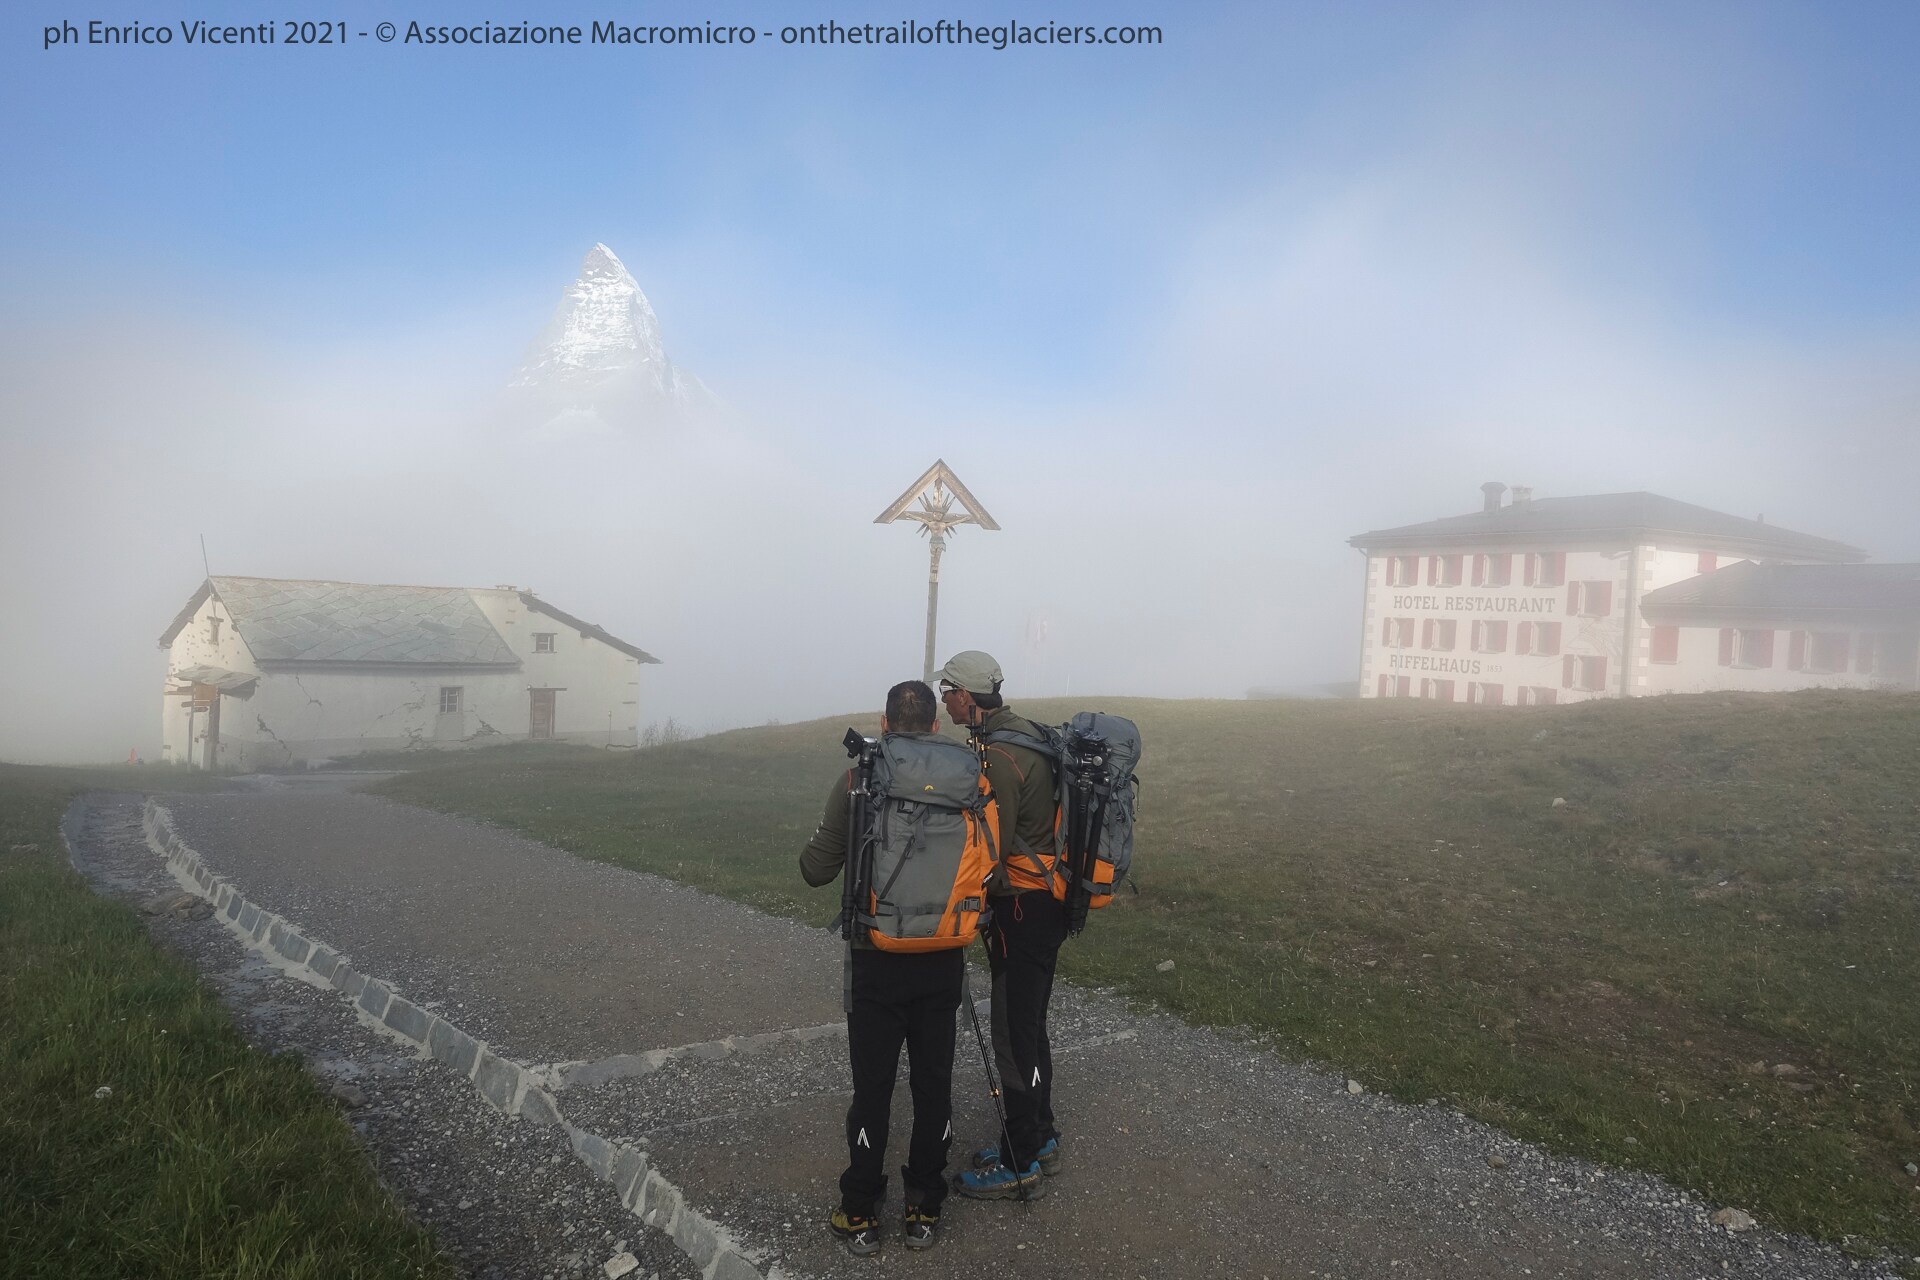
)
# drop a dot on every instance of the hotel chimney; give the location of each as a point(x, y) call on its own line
point(1521, 493)
point(1493, 489)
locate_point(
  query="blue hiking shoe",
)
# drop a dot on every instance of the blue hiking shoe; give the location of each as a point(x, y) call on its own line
point(997, 1182)
point(1049, 1157)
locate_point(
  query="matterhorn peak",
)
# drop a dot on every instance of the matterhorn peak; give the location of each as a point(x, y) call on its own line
point(603, 345)
point(602, 263)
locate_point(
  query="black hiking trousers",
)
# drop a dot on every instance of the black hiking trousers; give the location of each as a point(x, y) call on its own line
point(1023, 945)
point(900, 999)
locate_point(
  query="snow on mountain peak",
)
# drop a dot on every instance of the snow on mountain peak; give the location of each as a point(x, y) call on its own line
point(602, 261)
point(603, 331)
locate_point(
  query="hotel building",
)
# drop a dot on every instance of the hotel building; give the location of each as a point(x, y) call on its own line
point(1550, 600)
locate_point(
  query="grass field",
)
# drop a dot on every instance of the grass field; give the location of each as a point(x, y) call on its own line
point(208, 1159)
point(1705, 963)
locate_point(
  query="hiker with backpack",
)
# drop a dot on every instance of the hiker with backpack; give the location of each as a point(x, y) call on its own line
point(912, 831)
point(1067, 797)
point(1027, 927)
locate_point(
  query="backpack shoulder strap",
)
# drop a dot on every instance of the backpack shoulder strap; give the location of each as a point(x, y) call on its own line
point(1040, 740)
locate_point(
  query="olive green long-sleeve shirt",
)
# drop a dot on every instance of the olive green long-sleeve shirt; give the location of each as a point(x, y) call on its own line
point(826, 850)
point(1022, 783)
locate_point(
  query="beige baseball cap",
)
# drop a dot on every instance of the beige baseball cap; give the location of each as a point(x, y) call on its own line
point(972, 670)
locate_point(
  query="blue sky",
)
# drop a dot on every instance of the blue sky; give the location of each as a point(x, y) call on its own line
point(1297, 272)
point(1752, 162)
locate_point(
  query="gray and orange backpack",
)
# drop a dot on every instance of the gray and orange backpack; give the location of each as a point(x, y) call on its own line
point(922, 836)
point(1096, 795)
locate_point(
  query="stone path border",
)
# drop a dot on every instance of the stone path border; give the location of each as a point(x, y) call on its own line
point(556, 1076)
point(625, 1066)
point(508, 1086)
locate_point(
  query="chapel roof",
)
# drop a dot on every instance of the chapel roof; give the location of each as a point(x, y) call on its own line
point(303, 620)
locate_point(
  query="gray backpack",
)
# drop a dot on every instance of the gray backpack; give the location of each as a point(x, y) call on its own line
point(921, 837)
point(1097, 797)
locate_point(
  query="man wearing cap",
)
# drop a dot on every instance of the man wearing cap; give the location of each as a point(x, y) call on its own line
point(1023, 941)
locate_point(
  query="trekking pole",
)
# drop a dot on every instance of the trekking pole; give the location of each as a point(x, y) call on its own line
point(993, 1077)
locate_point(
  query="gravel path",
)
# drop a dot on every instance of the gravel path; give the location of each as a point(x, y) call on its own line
point(1188, 1152)
point(505, 1200)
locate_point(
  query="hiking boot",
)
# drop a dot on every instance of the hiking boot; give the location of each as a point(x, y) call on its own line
point(997, 1182)
point(859, 1232)
point(1049, 1157)
point(920, 1229)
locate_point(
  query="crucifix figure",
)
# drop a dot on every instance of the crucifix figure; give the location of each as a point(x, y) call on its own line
point(945, 504)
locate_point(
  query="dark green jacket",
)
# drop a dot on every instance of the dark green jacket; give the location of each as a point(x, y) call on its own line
point(1023, 787)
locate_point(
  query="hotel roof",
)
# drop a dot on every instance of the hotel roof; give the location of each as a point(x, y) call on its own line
point(1803, 592)
point(1609, 517)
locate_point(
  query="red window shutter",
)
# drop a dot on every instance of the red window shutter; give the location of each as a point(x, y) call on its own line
point(1426, 634)
point(1433, 570)
point(1496, 693)
point(1573, 599)
point(1567, 666)
point(1523, 641)
point(1550, 638)
point(1726, 646)
point(1763, 652)
point(1386, 633)
point(1383, 686)
point(1546, 697)
point(1503, 568)
point(1796, 650)
point(1405, 686)
point(1599, 673)
point(1479, 571)
point(1531, 568)
point(1599, 599)
point(1709, 561)
point(1666, 645)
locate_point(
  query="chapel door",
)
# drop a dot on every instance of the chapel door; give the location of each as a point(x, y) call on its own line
point(541, 713)
point(206, 709)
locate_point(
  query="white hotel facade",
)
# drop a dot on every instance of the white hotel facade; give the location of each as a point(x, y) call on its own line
point(1622, 595)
